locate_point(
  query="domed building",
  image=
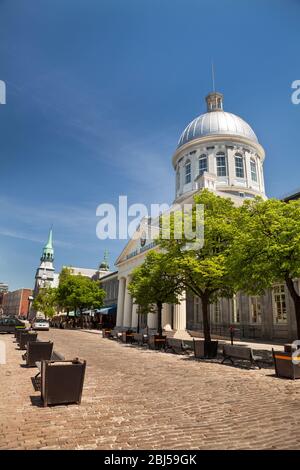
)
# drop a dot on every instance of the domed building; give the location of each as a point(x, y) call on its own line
point(218, 151)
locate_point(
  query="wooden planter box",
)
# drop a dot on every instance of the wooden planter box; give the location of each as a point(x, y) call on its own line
point(25, 338)
point(62, 381)
point(284, 365)
point(38, 351)
point(18, 331)
point(205, 349)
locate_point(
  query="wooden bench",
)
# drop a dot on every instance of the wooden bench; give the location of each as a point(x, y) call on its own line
point(140, 338)
point(115, 334)
point(177, 346)
point(157, 342)
point(242, 353)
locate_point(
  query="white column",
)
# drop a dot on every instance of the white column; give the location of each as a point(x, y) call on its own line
point(152, 320)
point(167, 317)
point(127, 307)
point(120, 308)
point(135, 317)
point(180, 314)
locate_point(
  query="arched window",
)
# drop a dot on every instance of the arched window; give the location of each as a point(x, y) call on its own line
point(253, 170)
point(188, 172)
point(202, 164)
point(239, 166)
point(221, 164)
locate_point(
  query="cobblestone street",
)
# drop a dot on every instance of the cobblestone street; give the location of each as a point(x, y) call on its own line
point(140, 399)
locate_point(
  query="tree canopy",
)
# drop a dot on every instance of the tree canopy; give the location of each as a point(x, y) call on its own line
point(78, 292)
point(203, 267)
point(46, 301)
point(266, 247)
point(155, 283)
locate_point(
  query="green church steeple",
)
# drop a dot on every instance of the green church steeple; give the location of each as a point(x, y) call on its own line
point(104, 266)
point(48, 251)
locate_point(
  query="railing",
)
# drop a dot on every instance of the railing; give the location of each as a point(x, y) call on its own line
point(223, 329)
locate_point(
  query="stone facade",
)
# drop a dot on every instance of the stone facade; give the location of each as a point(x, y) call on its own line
point(267, 317)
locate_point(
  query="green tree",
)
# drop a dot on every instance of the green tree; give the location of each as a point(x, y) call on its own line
point(46, 301)
point(65, 290)
point(266, 248)
point(153, 284)
point(203, 269)
point(79, 292)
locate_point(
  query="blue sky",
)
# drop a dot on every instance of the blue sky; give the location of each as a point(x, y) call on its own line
point(98, 93)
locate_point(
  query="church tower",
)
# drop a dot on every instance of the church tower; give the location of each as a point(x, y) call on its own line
point(45, 273)
point(103, 269)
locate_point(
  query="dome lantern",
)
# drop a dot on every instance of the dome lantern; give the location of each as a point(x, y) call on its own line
point(214, 102)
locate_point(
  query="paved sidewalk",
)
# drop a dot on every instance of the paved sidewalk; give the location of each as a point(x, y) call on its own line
point(139, 399)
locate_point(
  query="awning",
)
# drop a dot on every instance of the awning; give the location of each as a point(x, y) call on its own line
point(110, 310)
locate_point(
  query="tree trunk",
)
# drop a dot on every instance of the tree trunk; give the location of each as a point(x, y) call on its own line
point(81, 319)
point(296, 299)
point(159, 318)
point(205, 313)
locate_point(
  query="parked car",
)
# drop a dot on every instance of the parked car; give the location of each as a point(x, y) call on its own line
point(40, 324)
point(9, 324)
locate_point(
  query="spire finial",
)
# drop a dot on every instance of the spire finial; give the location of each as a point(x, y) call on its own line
point(213, 75)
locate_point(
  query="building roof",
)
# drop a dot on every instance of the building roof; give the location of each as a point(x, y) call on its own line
point(216, 122)
point(292, 196)
point(108, 276)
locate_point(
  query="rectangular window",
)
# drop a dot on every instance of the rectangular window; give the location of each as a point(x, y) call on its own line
point(253, 170)
point(239, 167)
point(255, 310)
point(279, 302)
point(217, 313)
point(202, 165)
point(221, 165)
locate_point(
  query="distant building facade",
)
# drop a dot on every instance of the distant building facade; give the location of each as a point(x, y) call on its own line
point(3, 290)
point(16, 303)
point(110, 284)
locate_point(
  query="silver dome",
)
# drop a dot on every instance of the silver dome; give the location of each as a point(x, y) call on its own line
point(216, 123)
